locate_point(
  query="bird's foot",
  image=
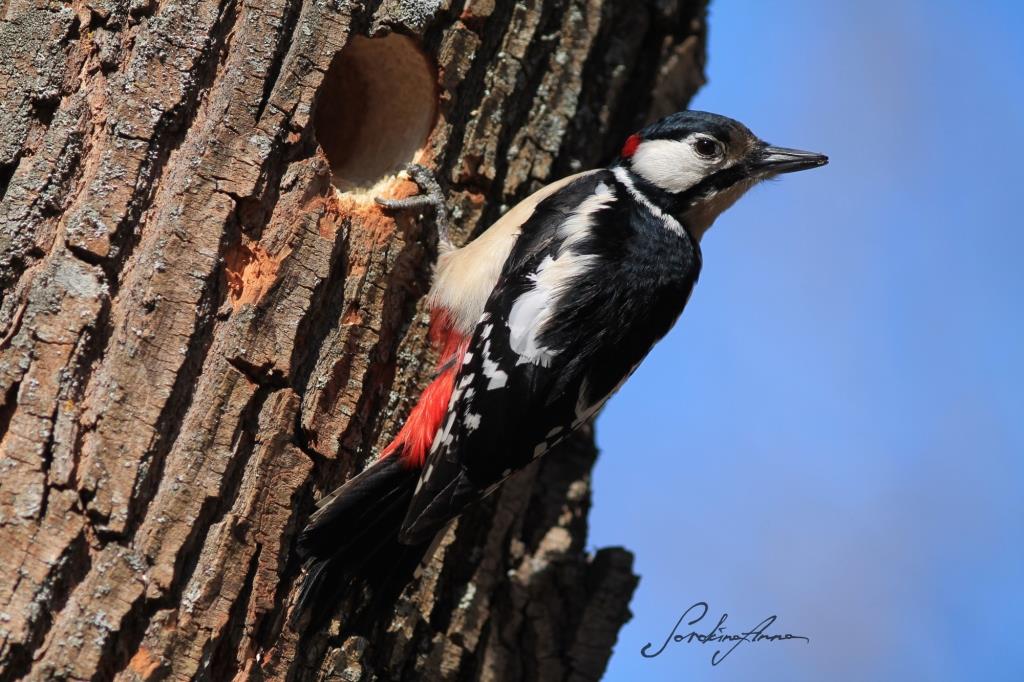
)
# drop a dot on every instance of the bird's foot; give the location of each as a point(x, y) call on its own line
point(430, 196)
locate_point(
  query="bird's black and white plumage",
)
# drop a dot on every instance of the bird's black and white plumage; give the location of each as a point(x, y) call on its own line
point(540, 320)
point(593, 281)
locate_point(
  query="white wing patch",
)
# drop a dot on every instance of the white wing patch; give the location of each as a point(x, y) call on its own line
point(532, 310)
point(465, 277)
point(523, 319)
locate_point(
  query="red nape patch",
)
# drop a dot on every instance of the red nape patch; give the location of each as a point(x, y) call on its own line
point(632, 142)
point(417, 434)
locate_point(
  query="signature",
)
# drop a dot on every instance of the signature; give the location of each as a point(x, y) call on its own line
point(717, 634)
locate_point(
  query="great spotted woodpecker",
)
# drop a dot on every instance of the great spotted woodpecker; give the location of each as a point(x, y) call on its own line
point(538, 322)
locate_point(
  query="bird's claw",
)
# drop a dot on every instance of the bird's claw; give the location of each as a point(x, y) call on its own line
point(430, 196)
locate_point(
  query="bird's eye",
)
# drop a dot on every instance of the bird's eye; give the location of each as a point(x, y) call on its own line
point(706, 147)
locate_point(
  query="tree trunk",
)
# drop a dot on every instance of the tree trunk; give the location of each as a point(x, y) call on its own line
point(206, 323)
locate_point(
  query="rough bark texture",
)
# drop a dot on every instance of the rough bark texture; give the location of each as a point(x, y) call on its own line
point(199, 335)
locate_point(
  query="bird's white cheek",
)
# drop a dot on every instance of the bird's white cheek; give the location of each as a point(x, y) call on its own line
point(672, 165)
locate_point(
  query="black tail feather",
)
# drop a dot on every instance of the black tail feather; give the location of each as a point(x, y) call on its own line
point(354, 502)
point(351, 542)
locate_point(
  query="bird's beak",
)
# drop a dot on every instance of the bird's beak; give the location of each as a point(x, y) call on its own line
point(775, 160)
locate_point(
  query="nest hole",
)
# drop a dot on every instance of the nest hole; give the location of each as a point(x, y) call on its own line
point(376, 107)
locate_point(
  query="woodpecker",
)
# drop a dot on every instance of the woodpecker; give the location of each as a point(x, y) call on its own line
point(538, 321)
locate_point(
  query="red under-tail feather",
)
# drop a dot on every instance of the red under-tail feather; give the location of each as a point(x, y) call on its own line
point(352, 540)
point(417, 434)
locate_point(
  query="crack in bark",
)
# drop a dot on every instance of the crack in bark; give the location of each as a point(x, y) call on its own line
point(50, 598)
point(289, 21)
point(168, 424)
point(7, 408)
point(219, 664)
point(168, 135)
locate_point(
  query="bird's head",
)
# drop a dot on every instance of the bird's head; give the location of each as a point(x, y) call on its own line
point(694, 165)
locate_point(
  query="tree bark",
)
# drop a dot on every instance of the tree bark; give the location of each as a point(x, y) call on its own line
point(206, 323)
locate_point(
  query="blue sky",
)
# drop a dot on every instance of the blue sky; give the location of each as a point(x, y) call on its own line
point(832, 433)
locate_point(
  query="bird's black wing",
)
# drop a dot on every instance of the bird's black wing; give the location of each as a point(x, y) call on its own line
point(592, 283)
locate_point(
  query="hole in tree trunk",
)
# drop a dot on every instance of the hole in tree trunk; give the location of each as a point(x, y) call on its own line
point(375, 110)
